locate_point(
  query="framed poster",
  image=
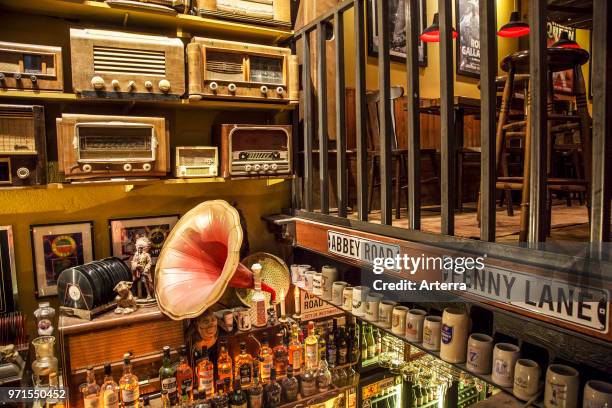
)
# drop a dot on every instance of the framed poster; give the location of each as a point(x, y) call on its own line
point(8, 278)
point(125, 231)
point(563, 81)
point(468, 46)
point(397, 28)
point(56, 247)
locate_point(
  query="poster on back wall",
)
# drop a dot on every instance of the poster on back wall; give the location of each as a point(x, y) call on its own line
point(468, 45)
point(563, 81)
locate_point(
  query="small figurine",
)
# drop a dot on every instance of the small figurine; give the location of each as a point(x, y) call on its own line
point(125, 300)
point(272, 321)
point(141, 265)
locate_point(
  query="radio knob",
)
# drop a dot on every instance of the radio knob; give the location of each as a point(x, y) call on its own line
point(97, 82)
point(148, 84)
point(18, 76)
point(257, 167)
point(247, 167)
point(280, 91)
point(264, 89)
point(274, 166)
point(231, 88)
point(146, 167)
point(33, 78)
point(23, 173)
point(213, 86)
point(115, 83)
point(127, 167)
point(164, 85)
point(266, 167)
point(276, 155)
point(243, 156)
point(86, 168)
point(2, 76)
point(131, 85)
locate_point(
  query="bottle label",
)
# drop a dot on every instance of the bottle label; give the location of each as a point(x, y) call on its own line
point(273, 397)
point(261, 319)
point(255, 401)
point(110, 399)
point(225, 372)
point(331, 356)
point(169, 384)
point(91, 401)
point(447, 334)
point(311, 355)
point(297, 359)
point(266, 368)
point(342, 356)
point(309, 387)
point(245, 374)
point(186, 386)
point(129, 397)
point(205, 382)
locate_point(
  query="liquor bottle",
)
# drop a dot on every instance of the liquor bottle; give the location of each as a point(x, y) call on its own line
point(258, 300)
point(364, 346)
point(238, 398)
point(378, 341)
point(419, 395)
point(128, 384)
point(205, 376)
point(322, 344)
point(308, 385)
point(323, 376)
point(290, 386)
point(352, 376)
point(222, 398)
point(354, 351)
point(91, 390)
point(425, 392)
point(413, 397)
point(281, 355)
point(266, 359)
point(109, 392)
point(272, 392)
point(370, 342)
point(342, 377)
point(167, 376)
point(295, 350)
point(311, 345)
point(224, 363)
point(331, 352)
point(184, 377)
point(243, 367)
point(255, 393)
point(342, 347)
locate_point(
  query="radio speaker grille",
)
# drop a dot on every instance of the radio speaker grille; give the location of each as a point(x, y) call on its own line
point(17, 132)
point(129, 61)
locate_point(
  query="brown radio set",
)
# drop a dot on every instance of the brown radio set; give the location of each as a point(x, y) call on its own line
point(196, 161)
point(23, 151)
point(268, 12)
point(96, 146)
point(117, 64)
point(30, 67)
point(255, 150)
point(160, 6)
point(234, 70)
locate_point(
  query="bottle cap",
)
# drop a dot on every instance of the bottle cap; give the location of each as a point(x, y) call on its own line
point(166, 349)
point(107, 369)
point(183, 350)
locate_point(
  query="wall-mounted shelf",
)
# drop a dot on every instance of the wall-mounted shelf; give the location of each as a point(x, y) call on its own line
point(182, 23)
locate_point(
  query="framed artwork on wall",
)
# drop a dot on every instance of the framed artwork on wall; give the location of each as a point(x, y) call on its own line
point(468, 42)
point(56, 247)
point(563, 81)
point(397, 28)
point(8, 278)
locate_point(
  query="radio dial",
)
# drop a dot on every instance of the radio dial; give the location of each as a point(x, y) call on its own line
point(274, 166)
point(266, 167)
point(33, 78)
point(243, 156)
point(213, 86)
point(231, 87)
point(164, 85)
point(23, 173)
point(276, 155)
point(280, 91)
point(87, 168)
point(146, 167)
point(127, 167)
point(148, 84)
point(247, 167)
point(257, 167)
point(18, 76)
point(115, 83)
point(131, 85)
point(2, 76)
point(97, 82)
point(264, 89)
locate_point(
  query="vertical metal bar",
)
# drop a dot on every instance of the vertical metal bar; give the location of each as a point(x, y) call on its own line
point(384, 112)
point(488, 100)
point(601, 177)
point(322, 115)
point(296, 183)
point(307, 121)
point(448, 146)
point(538, 68)
point(341, 164)
point(360, 114)
point(413, 114)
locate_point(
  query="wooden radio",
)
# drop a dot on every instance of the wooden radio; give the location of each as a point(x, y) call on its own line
point(30, 67)
point(23, 151)
point(196, 161)
point(91, 146)
point(117, 64)
point(233, 70)
point(268, 12)
point(161, 6)
point(255, 150)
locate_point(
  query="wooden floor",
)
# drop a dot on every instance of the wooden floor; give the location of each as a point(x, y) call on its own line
point(568, 223)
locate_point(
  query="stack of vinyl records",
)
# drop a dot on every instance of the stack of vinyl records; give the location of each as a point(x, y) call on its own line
point(91, 285)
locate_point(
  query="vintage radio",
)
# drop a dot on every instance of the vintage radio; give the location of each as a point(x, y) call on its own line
point(23, 151)
point(268, 12)
point(161, 6)
point(92, 146)
point(116, 64)
point(233, 70)
point(196, 161)
point(255, 150)
point(30, 67)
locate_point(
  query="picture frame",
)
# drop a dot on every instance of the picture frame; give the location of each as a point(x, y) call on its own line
point(125, 231)
point(467, 24)
point(8, 275)
point(563, 81)
point(398, 51)
point(56, 247)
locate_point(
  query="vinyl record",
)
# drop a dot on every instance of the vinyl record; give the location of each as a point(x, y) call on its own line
point(91, 272)
point(107, 279)
point(75, 289)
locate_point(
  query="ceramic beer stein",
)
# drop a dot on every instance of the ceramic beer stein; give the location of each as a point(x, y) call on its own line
point(479, 351)
point(561, 388)
point(597, 394)
point(317, 284)
point(302, 269)
point(455, 327)
point(414, 325)
point(504, 360)
point(398, 320)
point(526, 379)
point(337, 290)
point(330, 275)
point(431, 333)
point(373, 306)
point(360, 294)
point(385, 313)
point(347, 298)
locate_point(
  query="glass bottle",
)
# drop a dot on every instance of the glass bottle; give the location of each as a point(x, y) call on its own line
point(342, 351)
point(258, 300)
point(109, 392)
point(167, 377)
point(322, 344)
point(334, 376)
point(352, 376)
point(205, 371)
point(323, 376)
point(308, 385)
point(44, 319)
point(331, 350)
point(184, 377)
point(281, 356)
point(419, 395)
point(377, 341)
point(222, 398)
point(295, 350)
point(224, 363)
point(272, 392)
point(311, 345)
point(342, 377)
point(364, 346)
point(46, 362)
point(266, 359)
point(243, 367)
point(354, 351)
point(128, 384)
point(290, 386)
point(91, 390)
point(255, 393)
point(370, 342)
point(238, 398)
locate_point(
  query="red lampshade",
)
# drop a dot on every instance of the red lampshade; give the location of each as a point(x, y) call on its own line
point(432, 33)
point(514, 28)
point(565, 42)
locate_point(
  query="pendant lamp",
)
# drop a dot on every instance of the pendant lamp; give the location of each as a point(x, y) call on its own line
point(514, 28)
point(432, 33)
point(565, 42)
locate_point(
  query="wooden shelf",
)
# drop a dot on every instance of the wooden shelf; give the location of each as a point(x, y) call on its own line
point(184, 24)
point(64, 97)
point(321, 396)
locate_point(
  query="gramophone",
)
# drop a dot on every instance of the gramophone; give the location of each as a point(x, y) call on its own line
point(199, 259)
